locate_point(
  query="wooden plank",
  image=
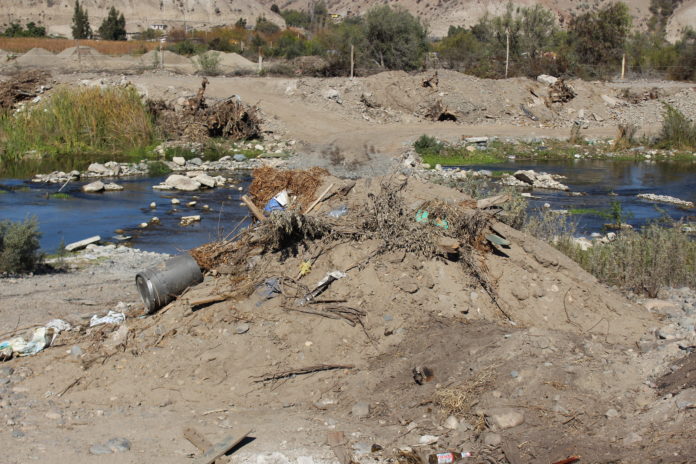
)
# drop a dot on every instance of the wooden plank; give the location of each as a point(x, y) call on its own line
point(197, 439)
point(252, 207)
point(337, 442)
point(493, 201)
point(219, 449)
point(319, 198)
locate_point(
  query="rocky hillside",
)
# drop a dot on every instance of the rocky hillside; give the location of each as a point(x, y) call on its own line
point(439, 14)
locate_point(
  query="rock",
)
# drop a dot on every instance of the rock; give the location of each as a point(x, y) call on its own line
point(183, 183)
point(186, 220)
point(611, 101)
point(611, 413)
point(6, 371)
point(175, 201)
point(476, 140)
point(665, 199)
point(53, 415)
point(686, 399)
point(361, 409)
point(112, 187)
point(153, 205)
point(17, 434)
point(631, 438)
point(539, 180)
point(93, 187)
point(97, 168)
point(668, 332)
point(407, 285)
point(520, 292)
point(206, 180)
point(82, 243)
point(492, 439)
point(428, 439)
point(117, 337)
point(504, 418)
point(239, 157)
point(582, 243)
point(4, 380)
point(119, 445)
point(451, 423)
point(75, 351)
point(99, 450)
point(195, 161)
point(242, 328)
point(546, 79)
point(332, 94)
point(179, 160)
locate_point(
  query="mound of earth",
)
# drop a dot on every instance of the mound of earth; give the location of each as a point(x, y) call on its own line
point(82, 51)
point(235, 61)
point(367, 316)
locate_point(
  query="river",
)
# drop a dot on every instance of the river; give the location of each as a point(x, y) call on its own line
point(83, 215)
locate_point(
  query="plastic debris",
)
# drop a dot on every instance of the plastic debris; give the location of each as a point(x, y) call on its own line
point(305, 268)
point(112, 317)
point(270, 288)
point(278, 202)
point(422, 216)
point(40, 339)
point(338, 212)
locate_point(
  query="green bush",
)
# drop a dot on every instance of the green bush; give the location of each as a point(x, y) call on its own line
point(208, 63)
point(157, 169)
point(677, 130)
point(426, 145)
point(19, 246)
point(187, 48)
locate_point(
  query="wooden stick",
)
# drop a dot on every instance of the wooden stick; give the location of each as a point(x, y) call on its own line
point(207, 300)
point(252, 207)
point(319, 198)
point(492, 201)
point(302, 371)
point(219, 449)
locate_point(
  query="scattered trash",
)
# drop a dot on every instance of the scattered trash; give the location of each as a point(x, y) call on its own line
point(448, 457)
point(422, 216)
point(338, 212)
point(163, 283)
point(278, 202)
point(270, 288)
point(40, 339)
point(305, 268)
point(423, 374)
point(323, 285)
point(112, 317)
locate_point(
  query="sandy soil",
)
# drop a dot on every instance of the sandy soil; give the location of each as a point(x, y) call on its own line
point(575, 370)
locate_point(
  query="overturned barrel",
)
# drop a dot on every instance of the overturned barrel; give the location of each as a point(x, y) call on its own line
point(163, 283)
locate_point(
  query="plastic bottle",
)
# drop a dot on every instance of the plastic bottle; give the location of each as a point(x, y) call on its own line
point(447, 457)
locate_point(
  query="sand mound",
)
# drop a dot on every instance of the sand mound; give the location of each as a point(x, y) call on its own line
point(38, 58)
point(84, 52)
point(169, 58)
point(234, 61)
point(37, 51)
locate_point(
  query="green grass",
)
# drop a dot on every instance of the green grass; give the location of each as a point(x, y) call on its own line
point(157, 169)
point(461, 159)
point(677, 130)
point(74, 127)
point(59, 196)
point(580, 211)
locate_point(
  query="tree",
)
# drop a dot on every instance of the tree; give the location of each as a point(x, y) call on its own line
point(397, 39)
point(80, 23)
point(114, 26)
point(32, 30)
point(275, 9)
point(600, 37)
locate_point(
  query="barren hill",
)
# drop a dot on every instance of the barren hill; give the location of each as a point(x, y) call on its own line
point(438, 14)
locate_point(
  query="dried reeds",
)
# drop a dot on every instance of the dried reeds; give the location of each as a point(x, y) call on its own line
point(269, 181)
point(108, 47)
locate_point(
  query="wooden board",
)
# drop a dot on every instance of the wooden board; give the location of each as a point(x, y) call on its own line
point(219, 449)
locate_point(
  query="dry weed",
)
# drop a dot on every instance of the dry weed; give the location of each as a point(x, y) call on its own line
point(107, 47)
point(458, 400)
point(269, 181)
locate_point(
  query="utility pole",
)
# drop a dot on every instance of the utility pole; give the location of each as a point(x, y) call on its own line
point(352, 60)
point(507, 51)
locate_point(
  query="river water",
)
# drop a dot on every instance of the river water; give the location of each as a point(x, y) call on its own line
point(83, 215)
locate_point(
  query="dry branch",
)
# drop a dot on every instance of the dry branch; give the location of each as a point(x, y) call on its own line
point(302, 371)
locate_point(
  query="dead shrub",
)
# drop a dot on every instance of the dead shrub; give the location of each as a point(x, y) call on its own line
point(625, 137)
point(269, 181)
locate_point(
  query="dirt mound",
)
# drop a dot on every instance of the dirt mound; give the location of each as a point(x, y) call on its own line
point(235, 61)
point(389, 307)
point(81, 52)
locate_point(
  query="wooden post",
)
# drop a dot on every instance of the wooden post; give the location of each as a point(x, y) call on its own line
point(623, 66)
point(507, 51)
point(352, 60)
point(252, 207)
point(260, 62)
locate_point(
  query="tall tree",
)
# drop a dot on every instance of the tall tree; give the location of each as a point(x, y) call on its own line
point(397, 38)
point(114, 26)
point(600, 37)
point(80, 23)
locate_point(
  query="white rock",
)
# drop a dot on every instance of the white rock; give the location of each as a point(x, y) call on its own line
point(179, 160)
point(205, 179)
point(97, 168)
point(451, 423)
point(665, 199)
point(186, 220)
point(112, 187)
point(93, 187)
point(546, 79)
point(183, 183)
point(504, 418)
point(428, 439)
point(175, 201)
point(153, 205)
point(82, 243)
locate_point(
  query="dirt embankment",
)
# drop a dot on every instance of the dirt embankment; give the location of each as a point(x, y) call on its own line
point(435, 317)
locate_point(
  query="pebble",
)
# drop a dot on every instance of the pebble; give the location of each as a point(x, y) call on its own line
point(17, 434)
point(119, 445)
point(428, 439)
point(361, 409)
point(175, 201)
point(492, 439)
point(53, 415)
point(504, 418)
point(242, 328)
point(153, 205)
point(99, 450)
point(611, 413)
point(451, 423)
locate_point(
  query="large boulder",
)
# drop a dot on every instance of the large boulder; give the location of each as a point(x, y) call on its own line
point(93, 187)
point(206, 180)
point(183, 183)
point(540, 180)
